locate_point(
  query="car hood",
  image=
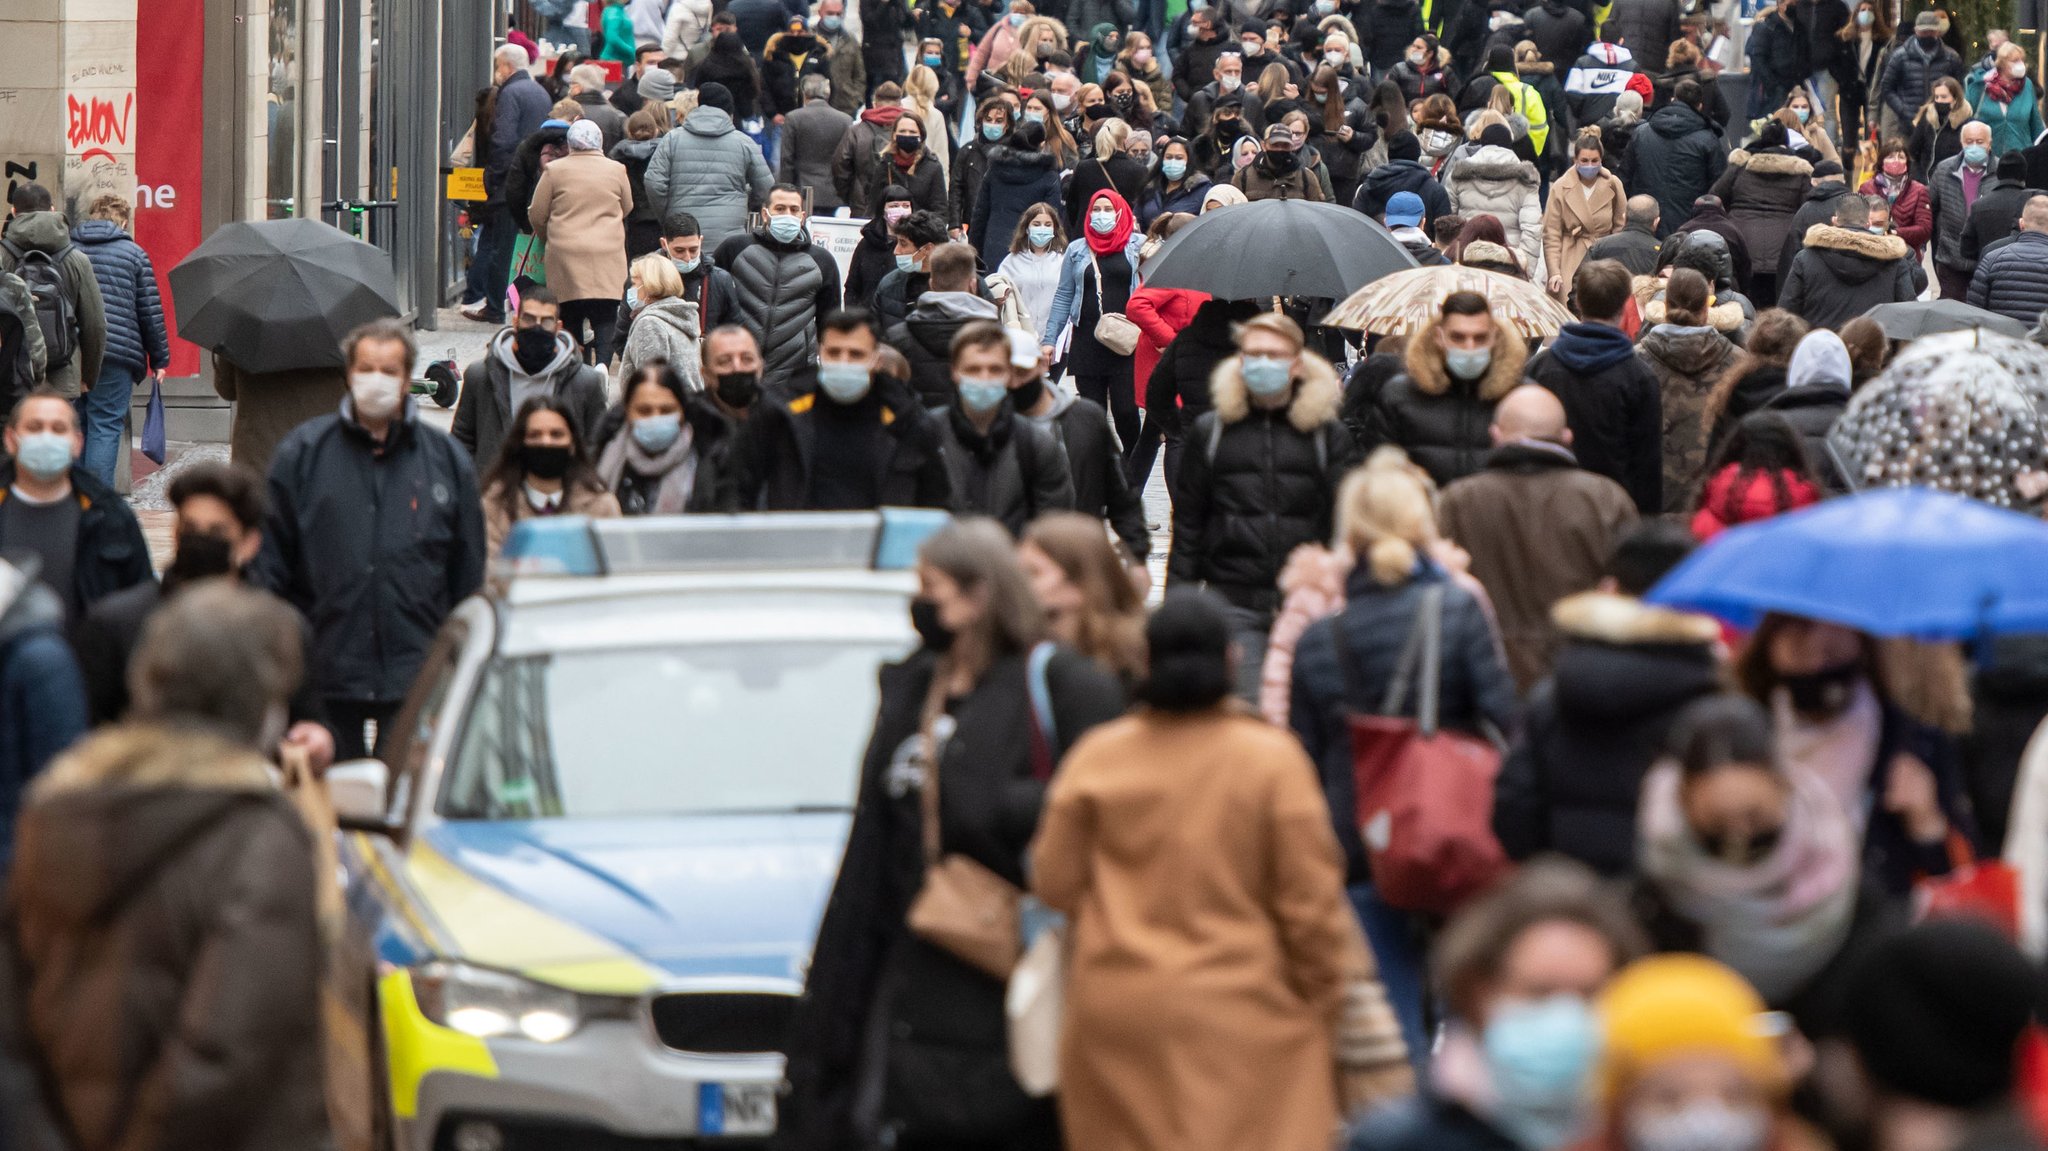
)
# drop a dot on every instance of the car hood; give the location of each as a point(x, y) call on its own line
point(680, 898)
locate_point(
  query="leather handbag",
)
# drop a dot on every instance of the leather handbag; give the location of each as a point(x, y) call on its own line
point(964, 908)
point(1113, 330)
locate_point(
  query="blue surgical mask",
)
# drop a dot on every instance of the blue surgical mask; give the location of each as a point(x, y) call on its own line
point(1468, 364)
point(656, 433)
point(1266, 376)
point(906, 264)
point(1976, 155)
point(686, 267)
point(632, 298)
point(1539, 1055)
point(992, 132)
point(1041, 235)
point(845, 383)
point(831, 24)
point(1034, 115)
point(981, 397)
point(1016, 19)
point(785, 229)
point(934, 62)
point(1804, 114)
point(44, 455)
point(1588, 172)
point(1102, 222)
point(1173, 169)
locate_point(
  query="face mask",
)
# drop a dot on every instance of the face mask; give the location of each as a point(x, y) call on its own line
point(1336, 59)
point(738, 389)
point(906, 264)
point(892, 215)
point(1229, 128)
point(1228, 82)
point(655, 434)
point(632, 298)
point(1823, 694)
point(687, 267)
point(992, 132)
point(1250, 48)
point(1102, 223)
point(1468, 364)
point(1943, 106)
point(1026, 396)
point(1929, 42)
point(1588, 173)
point(785, 229)
point(1142, 57)
point(1034, 115)
point(376, 395)
point(1706, 1126)
point(831, 24)
point(1061, 101)
point(2016, 71)
point(924, 617)
point(1041, 235)
point(1325, 7)
point(845, 383)
point(1198, 6)
point(1016, 19)
point(910, 145)
point(1896, 166)
point(933, 62)
point(200, 555)
point(1538, 1054)
point(1804, 114)
point(44, 455)
point(1863, 19)
point(981, 397)
point(1437, 140)
point(1415, 59)
point(1746, 851)
point(548, 461)
point(1266, 376)
point(534, 348)
point(1282, 161)
point(1976, 155)
point(1173, 169)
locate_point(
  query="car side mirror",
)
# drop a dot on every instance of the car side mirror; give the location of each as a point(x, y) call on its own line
point(357, 788)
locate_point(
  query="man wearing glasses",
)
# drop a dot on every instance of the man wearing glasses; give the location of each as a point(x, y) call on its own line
point(531, 357)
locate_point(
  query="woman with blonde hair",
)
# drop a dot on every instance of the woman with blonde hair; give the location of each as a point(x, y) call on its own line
point(2008, 101)
point(1082, 580)
point(1109, 169)
point(665, 324)
point(920, 99)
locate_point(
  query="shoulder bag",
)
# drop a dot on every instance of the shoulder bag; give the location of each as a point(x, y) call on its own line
point(1113, 330)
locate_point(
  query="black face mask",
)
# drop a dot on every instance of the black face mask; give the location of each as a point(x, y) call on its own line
point(910, 145)
point(797, 45)
point(548, 461)
point(534, 348)
point(1026, 396)
point(737, 389)
point(1283, 163)
point(200, 555)
point(924, 616)
point(1229, 129)
point(1744, 851)
point(1823, 694)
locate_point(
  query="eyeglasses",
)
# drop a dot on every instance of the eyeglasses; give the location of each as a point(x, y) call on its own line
point(544, 323)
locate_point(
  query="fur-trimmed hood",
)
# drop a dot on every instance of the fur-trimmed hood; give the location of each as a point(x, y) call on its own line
point(1605, 617)
point(1317, 392)
point(1958, 116)
point(141, 755)
point(1424, 362)
point(1724, 317)
point(1770, 163)
point(1856, 242)
point(1493, 162)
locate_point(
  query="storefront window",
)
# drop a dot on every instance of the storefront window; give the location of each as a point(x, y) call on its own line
point(282, 107)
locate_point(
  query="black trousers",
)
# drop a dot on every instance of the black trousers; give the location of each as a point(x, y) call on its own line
point(599, 316)
point(346, 717)
point(1114, 392)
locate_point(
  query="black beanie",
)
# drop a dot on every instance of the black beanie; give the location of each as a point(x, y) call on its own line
point(1404, 146)
point(1498, 136)
point(715, 95)
point(1935, 1012)
point(2012, 166)
point(1500, 58)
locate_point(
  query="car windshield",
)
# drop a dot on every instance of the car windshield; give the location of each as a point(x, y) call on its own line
point(679, 730)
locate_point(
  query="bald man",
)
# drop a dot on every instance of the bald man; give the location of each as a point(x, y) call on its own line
point(1538, 526)
point(1636, 246)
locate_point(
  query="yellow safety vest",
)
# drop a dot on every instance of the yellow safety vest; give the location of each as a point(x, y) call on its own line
point(1529, 106)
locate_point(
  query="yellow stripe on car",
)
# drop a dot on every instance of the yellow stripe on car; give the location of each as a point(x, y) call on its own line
point(415, 1045)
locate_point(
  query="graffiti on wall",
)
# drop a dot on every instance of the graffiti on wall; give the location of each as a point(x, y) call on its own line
point(96, 122)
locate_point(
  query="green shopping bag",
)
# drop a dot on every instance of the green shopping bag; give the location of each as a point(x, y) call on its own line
point(529, 257)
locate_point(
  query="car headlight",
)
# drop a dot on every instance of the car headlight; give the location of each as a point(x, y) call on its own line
point(494, 1004)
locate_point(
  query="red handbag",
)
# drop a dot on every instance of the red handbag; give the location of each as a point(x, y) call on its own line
point(1424, 795)
point(1986, 890)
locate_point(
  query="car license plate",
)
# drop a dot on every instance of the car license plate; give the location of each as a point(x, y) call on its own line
point(736, 1109)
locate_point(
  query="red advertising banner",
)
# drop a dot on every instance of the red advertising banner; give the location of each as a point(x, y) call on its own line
point(170, 134)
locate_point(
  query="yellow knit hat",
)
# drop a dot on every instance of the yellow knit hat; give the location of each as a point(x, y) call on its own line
point(1669, 1005)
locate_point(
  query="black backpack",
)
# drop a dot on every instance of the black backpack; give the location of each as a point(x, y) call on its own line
point(17, 369)
point(50, 283)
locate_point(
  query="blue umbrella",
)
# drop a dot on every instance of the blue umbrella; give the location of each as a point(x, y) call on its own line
point(1894, 562)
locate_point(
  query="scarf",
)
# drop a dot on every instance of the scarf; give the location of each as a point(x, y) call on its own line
point(2003, 88)
point(1119, 235)
point(677, 468)
point(1842, 751)
point(1777, 922)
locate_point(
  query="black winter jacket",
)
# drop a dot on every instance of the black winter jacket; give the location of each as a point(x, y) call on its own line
point(1257, 483)
point(1995, 216)
point(1015, 180)
point(374, 544)
point(1441, 422)
point(1845, 272)
point(1559, 32)
point(780, 440)
point(963, 184)
point(715, 442)
point(1762, 191)
point(1676, 157)
point(1910, 72)
point(111, 553)
point(1014, 473)
point(1383, 182)
point(784, 291)
point(524, 174)
point(136, 338)
point(1818, 208)
point(2012, 280)
point(1100, 486)
point(1812, 411)
point(925, 337)
point(1613, 405)
point(1571, 780)
point(1389, 26)
point(1633, 248)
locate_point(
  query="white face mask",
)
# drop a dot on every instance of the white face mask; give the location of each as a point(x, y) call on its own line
point(1228, 82)
point(1061, 101)
point(376, 395)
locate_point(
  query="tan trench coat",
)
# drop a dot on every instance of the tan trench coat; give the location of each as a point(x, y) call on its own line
point(1572, 221)
point(579, 209)
point(1213, 948)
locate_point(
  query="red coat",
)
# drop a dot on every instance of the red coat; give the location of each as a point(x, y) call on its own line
point(1160, 314)
point(1757, 500)
point(1912, 214)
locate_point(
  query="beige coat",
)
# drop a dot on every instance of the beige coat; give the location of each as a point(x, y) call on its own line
point(1213, 948)
point(579, 210)
point(498, 518)
point(1572, 221)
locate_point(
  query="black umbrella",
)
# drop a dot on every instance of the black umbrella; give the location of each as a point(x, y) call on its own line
point(275, 295)
point(1916, 318)
point(1277, 248)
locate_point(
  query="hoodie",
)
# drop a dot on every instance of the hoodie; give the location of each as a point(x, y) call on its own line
point(47, 232)
point(1611, 405)
point(925, 337)
point(1584, 347)
point(494, 387)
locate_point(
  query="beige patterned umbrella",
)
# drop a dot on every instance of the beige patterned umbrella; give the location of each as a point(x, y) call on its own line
point(1402, 302)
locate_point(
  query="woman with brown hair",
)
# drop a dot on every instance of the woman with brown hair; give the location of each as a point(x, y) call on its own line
point(1755, 376)
point(1083, 583)
point(1937, 131)
point(1687, 355)
point(543, 470)
point(1857, 57)
point(644, 130)
point(1340, 128)
point(1684, 62)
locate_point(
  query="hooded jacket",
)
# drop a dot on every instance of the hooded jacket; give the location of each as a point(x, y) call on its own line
point(1676, 157)
point(1013, 473)
point(784, 291)
point(1493, 181)
point(136, 337)
point(1590, 732)
point(1394, 176)
point(1256, 483)
point(1686, 361)
point(925, 337)
point(1439, 421)
point(43, 705)
point(1732, 497)
point(484, 411)
point(666, 329)
point(1762, 191)
point(710, 169)
point(46, 232)
point(1015, 180)
point(1612, 405)
point(2012, 280)
point(1845, 272)
point(1818, 208)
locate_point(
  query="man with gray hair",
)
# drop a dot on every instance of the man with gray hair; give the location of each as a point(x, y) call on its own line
point(521, 106)
point(2012, 278)
point(1952, 190)
point(1635, 247)
point(586, 87)
point(810, 137)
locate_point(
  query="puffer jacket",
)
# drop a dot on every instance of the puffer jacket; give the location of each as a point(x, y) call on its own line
point(163, 912)
point(925, 337)
point(1910, 72)
point(1439, 421)
point(2013, 280)
point(1014, 473)
point(1732, 497)
point(1383, 182)
point(1473, 688)
point(784, 289)
point(664, 330)
point(1590, 732)
point(1686, 361)
point(1676, 157)
point(712, 170)
point(1494, 182)
point(1763, 190)
point(136, 339)
point(1256, 483)
point(1013, 181)
point(1843, 273)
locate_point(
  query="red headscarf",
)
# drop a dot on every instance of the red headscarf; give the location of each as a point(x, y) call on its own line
point(1118, 236)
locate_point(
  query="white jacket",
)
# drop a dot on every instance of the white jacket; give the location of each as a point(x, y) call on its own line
point(1493, 180)
point(688, 22)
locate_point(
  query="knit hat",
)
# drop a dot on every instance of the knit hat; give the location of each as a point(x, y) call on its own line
point(586, 136)
point(1404, 209)
point(1403, 146)
point(2013, 166)
point(1675, 1005)
point(1820, 361)
point(1500, 58)
point(1222, 196)
point(1927, 22)
point(1497, 135)
point(658, 85)
point(716, 95)
point(1826, 168)
point(1935, 1012)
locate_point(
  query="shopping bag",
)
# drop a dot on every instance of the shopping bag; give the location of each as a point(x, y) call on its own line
point(1983, 889)
point(153, 423)
point(1035, 1004)
point(528, 260)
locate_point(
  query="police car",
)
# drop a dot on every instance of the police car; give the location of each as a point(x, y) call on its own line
point(593, 867)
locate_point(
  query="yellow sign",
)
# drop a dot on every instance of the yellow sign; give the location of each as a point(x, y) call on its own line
point(466, 184)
